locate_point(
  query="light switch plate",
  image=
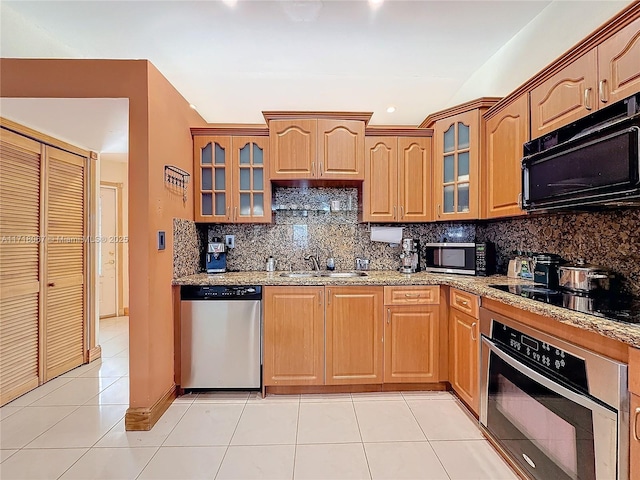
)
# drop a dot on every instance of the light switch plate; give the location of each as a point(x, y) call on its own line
point(230, 241)
point(161, 240)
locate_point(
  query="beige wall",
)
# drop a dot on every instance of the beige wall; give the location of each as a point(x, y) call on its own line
point(159, 121)
point(114, 169)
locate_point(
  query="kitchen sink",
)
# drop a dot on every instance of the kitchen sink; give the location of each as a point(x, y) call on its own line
point(323, 274)
point(341, 274)
point(298, 274)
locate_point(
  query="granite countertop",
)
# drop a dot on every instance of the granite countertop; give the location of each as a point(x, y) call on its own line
point(623, 332)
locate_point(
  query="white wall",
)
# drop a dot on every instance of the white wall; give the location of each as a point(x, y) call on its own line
point(113, 169)
point(536, 46)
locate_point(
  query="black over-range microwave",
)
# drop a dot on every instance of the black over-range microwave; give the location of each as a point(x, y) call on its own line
point(462, 258)
point(591, 162)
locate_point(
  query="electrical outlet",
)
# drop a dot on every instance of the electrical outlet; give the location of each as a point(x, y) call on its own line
point(161, 240)
point(230, 241)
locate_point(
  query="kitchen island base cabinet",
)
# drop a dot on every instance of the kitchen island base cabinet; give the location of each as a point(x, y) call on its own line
point(293, 336)
point(410, 344)
point(354, 335)
point(635, 437)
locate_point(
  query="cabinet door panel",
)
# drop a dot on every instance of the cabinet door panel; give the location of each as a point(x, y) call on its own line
point(341, 149)
point(354, 335)
point(251, 186)
point(293, 149)
point(293, 336)
point(463, 362)
point(411, 344)
point(414, 159)
point(212, 171)
point(619, 64)
point(381, 180)
point(566, 96)
point(635, 437)
point(506, 133)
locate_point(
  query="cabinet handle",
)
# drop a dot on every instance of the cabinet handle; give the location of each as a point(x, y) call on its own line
point(473, 329)
point(414, 295)
point(401, 211)
point(636, 425)
point(320, 298)
point(463, 302)
point(235, 215)
point(394, 212)
point(388, 316)
point(321, 169)
point(329, 297)
point(603, 97)
point(51, 284)
point(229, 213)
point(438, 210)
point(586, 98)
point(313, 169)
point(520, 200)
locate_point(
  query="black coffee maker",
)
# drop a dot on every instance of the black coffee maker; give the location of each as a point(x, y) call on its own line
point(546, 269)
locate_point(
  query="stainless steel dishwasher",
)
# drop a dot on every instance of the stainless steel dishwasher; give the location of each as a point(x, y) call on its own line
point(220, 337)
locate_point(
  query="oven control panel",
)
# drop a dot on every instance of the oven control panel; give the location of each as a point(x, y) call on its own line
point(543, 355)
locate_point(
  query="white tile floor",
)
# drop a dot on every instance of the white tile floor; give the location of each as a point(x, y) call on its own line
point(73, 427)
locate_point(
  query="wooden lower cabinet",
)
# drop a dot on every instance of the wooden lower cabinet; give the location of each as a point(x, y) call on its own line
point(354, 330)
point(411, 344)
point(463, 361)
point(634, 440)
point(293, 336)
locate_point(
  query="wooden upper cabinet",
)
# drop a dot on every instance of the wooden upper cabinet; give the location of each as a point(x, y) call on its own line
point(231, 179)
point(354, 330)
point(566, 96)
point(397, 179)
point(455, 183)
point(321, 148)
point(414, 178)
point(619, 64)
point(251, 192)
point(340, 149)
point(293, 336)
point(293, 149)
point(506, 132)
point(380, 188)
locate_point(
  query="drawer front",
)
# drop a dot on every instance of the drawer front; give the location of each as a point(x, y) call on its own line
point(412, 295)
point(463, 301)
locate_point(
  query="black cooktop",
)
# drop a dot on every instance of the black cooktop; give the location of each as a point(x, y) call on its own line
point(614, 307)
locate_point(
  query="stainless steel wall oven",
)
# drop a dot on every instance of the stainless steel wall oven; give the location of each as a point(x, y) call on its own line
point(557, 410)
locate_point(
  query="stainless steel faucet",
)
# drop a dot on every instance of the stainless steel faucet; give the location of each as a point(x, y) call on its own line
point(313, 259)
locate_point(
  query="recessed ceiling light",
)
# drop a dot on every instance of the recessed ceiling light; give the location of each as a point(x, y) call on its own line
point(193, 106)
point(391, 109)
point(375, 4)
point(230, 3)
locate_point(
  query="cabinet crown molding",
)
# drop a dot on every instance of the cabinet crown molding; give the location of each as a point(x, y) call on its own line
point(482, 102)
point(397, 131)
point(292, 115)
point(232, 129)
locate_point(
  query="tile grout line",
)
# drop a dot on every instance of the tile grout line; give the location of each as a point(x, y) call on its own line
point(295, 445)
point(231, 438)
point(366, 457)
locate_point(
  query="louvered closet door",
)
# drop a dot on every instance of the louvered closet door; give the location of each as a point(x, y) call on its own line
point(20, 160)
point(64, 310)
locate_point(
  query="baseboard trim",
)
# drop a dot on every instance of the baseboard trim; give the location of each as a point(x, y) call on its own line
point(95, 353)
point(144, 418)
point(385, 387)
point(126, 311)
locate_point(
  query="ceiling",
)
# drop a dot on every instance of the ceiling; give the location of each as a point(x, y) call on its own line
point(233, 59)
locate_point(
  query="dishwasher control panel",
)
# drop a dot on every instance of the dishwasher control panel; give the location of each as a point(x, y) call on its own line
point(221, 292)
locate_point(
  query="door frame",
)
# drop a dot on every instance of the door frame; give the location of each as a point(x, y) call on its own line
point(119, 245)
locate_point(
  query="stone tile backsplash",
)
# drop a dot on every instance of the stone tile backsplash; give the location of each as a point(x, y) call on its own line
point(610, 239)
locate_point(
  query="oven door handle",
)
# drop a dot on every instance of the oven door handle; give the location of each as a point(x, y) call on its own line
point(548, 383)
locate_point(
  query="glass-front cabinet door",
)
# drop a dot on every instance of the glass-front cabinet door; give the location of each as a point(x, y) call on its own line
point(251, 186)
point(212, 179)
point(456, 173)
